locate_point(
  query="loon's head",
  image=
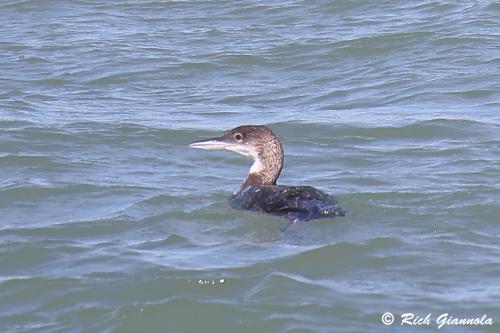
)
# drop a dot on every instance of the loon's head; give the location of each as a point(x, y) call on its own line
point(254, 141)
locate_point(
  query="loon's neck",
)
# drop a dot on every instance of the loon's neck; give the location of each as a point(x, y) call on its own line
point(266, 167)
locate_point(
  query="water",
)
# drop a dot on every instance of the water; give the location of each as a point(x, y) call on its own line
point(109, 223)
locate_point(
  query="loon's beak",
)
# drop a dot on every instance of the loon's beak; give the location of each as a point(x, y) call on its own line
point(221, 144)
point(212, 144)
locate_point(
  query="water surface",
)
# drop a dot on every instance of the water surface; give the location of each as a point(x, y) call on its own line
point(109, 223)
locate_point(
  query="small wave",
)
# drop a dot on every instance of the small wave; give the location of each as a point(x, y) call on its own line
point(14, 124)
point(166, 242)
point(28, 192)
point(39, 161)
point(427, 129)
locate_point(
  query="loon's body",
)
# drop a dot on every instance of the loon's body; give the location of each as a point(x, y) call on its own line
point(259, 191)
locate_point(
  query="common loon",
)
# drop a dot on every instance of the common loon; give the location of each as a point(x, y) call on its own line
point(259, 191)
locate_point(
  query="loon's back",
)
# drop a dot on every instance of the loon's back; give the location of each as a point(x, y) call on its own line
point(301, 203)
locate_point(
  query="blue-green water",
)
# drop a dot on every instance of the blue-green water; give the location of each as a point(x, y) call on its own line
point(109, 223)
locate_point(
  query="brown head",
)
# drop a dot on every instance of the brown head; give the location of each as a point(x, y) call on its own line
point(254, 141)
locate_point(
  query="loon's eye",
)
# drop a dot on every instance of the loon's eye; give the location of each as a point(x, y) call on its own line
point(238, 136)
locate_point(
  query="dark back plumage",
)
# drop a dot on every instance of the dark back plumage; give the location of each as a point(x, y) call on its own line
point(302, 203)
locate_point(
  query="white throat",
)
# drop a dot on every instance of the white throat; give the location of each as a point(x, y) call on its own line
point(257, 165)
point(251, 152)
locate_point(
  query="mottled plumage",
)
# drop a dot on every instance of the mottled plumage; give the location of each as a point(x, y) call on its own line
point(302, 203)
point(259, 191)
